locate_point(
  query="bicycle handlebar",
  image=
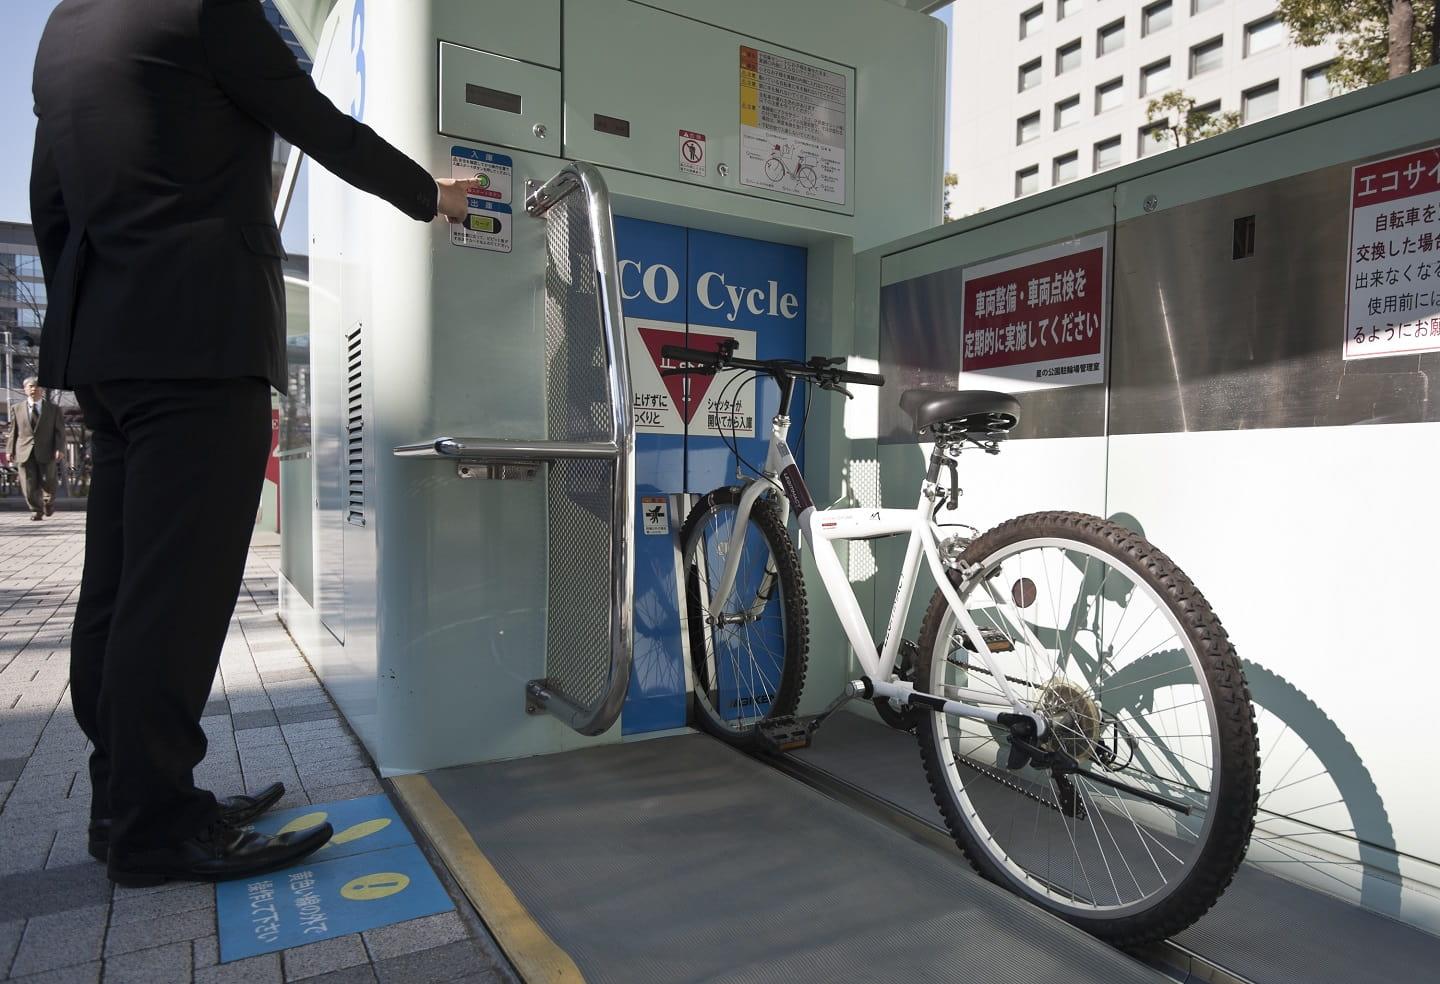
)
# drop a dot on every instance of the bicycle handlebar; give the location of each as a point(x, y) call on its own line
point(819, 368)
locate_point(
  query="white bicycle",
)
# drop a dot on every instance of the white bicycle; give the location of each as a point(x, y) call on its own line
point(1125, 810)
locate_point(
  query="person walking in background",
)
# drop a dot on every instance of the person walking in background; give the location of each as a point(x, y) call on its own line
point(35, 442)
point(151, 199)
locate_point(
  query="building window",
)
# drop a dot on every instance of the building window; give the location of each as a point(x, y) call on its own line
point(1157, 17)
point(1154, 77)
point(1156, 138)
point(1263, 35)
point(1199, 6)
point(1027, 128)
point(1067, 167)
point(1027, 182)
point(1030, 75)
point(1032, 20)
point(1068, 7)
point(1315, 84)
point(1207, 57)
point(1067, 112)
point(1067, 58)
point(1111, 38)
point(1107, 154)
point(1260, 102)
point(1109, 95)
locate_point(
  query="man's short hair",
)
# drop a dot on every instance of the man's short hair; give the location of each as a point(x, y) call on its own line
point(32, 380)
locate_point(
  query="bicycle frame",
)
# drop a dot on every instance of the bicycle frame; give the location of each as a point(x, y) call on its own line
point(822, 528)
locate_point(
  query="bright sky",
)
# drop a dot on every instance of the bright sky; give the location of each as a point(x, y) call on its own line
point(21, 22)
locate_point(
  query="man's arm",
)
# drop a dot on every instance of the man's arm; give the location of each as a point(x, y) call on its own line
point(12, 434)
point(59, 442)
point(47, 204)
point(257, 70)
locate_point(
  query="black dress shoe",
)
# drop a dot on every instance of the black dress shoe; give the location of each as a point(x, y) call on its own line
point(218, 854)
point(235, 811)
point(34, 517)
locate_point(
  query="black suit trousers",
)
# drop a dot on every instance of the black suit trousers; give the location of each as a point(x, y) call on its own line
point(178, 466)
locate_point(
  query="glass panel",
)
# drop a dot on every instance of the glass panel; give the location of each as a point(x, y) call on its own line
point(1031, 21)
point(1107, 153)
point(1263, 35)
point(1159, 16)
point(1030, 75)
point(1067, 58)
point(1068, 7)
point(1260, 102)
point(1207, 57)
point(1315, 84)
point(1155, 77)
point(1112, 38)
point(1109, 96)
point(1027, 182)
point(1067, 113)
point(1196, 6)
point(1027, 128)
point(1067, 167)
point(1155, 138)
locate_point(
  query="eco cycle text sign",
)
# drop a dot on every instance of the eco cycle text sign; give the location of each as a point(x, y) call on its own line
point(1393, 273)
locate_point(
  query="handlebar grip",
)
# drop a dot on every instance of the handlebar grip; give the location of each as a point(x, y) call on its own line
point(682, 354)
point(864, 378)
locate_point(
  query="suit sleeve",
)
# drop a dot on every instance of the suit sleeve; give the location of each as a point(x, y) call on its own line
point(47, 204)
point(59, 442)
point(256, 69)
point(12, 434)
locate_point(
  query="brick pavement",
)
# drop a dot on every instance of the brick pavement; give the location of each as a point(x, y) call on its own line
point(268, 719)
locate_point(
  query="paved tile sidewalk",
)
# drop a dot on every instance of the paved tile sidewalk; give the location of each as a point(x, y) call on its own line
point(268, 719)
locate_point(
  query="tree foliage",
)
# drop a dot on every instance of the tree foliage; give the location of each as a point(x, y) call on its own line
point(1362, 29)
point(1184, 123)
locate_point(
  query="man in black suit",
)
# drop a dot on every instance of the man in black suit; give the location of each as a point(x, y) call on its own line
point(151, 199)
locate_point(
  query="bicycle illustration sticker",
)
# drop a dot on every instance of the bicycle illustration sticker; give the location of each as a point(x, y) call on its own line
point(1037, 318)
point(793, 126)
point(1393, 282)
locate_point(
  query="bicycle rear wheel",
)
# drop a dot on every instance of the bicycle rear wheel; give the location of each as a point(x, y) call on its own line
point(1071, 604)
point(748, 655)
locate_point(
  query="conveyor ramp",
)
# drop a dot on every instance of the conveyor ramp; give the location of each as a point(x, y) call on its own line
point(1264, 929)
point(680, 859)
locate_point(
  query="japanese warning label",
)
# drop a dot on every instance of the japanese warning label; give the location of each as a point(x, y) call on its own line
point(792, 126)
point(712, 405)
point(1393, 292)
point(488, 219)
point(1037, 318)
point(692, 153)
point(655, 515)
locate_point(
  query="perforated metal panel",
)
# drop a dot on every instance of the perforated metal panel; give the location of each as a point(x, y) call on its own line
point(354, 428)
point(581, 492)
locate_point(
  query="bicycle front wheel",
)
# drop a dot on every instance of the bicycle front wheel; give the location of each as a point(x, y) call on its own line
point(747, 649)
point(1143, 834)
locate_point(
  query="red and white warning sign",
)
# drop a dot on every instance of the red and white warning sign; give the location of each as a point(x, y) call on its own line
point(1037, 318)
point(712, 406)
point(692, 153)
point(1393, 285)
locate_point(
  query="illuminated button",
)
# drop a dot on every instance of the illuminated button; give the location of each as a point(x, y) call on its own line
point(482, 223)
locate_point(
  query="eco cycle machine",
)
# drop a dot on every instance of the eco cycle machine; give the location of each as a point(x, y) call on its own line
point(480, 550)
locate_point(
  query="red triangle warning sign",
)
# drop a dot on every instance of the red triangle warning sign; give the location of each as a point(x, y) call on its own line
point(657, 338)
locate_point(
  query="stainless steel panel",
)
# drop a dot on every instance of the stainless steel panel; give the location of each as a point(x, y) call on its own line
point(1203, 341)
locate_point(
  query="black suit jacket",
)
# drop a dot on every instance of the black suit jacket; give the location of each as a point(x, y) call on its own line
point(150, 190)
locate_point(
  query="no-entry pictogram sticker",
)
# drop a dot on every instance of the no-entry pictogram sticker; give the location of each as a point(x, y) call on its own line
point(692, 153)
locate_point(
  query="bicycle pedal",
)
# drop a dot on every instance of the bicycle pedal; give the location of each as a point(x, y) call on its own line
point(995, 640)
point(785, 734)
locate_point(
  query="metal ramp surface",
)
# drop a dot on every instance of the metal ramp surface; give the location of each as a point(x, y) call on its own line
point(679, 859)
point(1264, 929)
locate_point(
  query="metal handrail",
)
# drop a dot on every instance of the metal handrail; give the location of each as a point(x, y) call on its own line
point(597, 719)
point(618, 446)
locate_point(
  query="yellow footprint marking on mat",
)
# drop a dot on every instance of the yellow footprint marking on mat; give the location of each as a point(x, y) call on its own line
point(353, 833)
point(380, 885)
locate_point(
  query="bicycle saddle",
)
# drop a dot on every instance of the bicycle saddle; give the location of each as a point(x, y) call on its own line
point(968, 411)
